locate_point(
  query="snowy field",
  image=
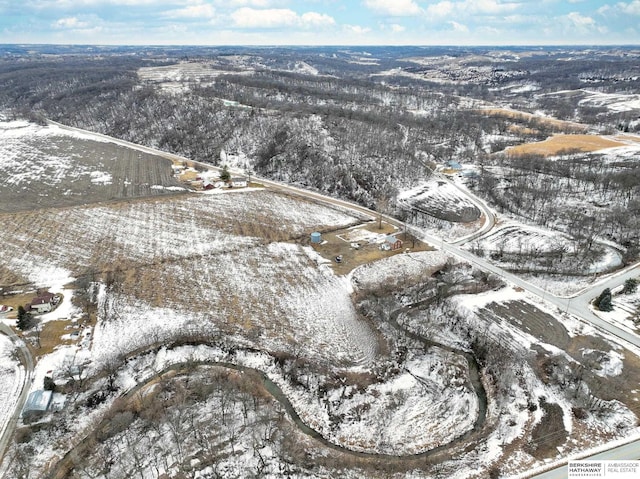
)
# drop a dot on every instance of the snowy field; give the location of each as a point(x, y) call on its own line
point(405, 268)
point(618, 102)
point(40, 244)
point(11, 378)
point(46, 166)
point(442, 200)
point(524, 239)
point(273, 297)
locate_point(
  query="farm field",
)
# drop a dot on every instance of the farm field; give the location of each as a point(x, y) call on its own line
point(561, 144)
point(45, 167)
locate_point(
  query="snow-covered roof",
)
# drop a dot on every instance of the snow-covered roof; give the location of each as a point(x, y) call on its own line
point(38, 401)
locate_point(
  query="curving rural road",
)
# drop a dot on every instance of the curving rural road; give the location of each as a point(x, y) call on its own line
point(9, 426)
point(577, 305)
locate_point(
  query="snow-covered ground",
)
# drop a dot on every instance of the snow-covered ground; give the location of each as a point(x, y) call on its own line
point(11, 379)
point(550, 256)
point(20, 156)
point(441, 199)
point(626, 309)
point(152, 231)
point(398, 269)
point(619, 102)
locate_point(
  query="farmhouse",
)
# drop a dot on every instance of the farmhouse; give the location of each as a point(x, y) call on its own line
point(43, 303)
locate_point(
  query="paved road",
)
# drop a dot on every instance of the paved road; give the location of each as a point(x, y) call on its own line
point(10, 425)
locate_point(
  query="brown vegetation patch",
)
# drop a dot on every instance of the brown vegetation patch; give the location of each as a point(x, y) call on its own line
point(50, 337)
point(559, 144)
point(521, 130)
point(531, 118)
point(631, 138)
point(549, 433)
point(338, 243)
point(529, 319)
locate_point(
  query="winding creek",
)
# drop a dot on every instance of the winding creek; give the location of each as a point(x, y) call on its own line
point(66, 464)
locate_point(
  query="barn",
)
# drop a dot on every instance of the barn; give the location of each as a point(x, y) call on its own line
point(392, 243)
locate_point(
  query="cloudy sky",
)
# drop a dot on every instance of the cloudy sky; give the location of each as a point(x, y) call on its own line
point(320, 22)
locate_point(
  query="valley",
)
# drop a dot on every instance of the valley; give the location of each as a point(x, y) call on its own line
point(400, 287)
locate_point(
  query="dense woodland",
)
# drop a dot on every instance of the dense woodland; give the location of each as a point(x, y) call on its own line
point(355, 128)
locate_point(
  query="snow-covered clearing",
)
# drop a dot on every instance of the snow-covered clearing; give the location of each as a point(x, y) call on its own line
point(516, 238)
point(398, 269)
point(441, 199)
point(619, 102)
point(47, 166)
point(547, 258)
point(11, 379)
point(442, 208)
point(22, 161)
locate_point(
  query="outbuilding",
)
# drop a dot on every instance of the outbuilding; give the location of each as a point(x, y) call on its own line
point(392, 243)
point(37, 403)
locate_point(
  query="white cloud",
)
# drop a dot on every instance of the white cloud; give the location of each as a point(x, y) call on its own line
point(447, 8)
point(459, 27)
point(272, 18)
point(314, 19)
point(70, 23)
point(397, 28)
point(357, 29)
point(197, 10)
point(520, 19)
point(581, 21)
point(278, 17)
point(394, 8)
point(441, 9)
point(87, 26)
point(632, 8)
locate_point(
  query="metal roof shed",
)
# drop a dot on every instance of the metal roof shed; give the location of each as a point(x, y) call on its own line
point(37, 402)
